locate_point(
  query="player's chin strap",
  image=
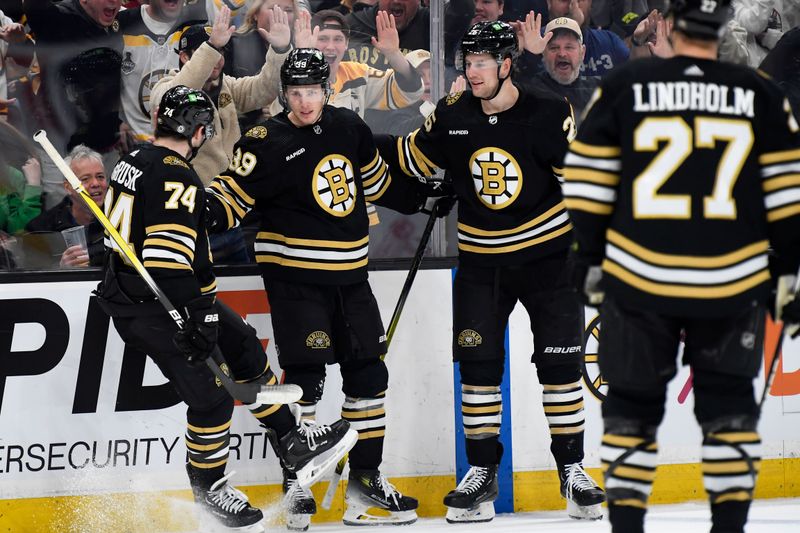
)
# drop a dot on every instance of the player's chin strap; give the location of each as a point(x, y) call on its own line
point(250, 392)
point(500, 82)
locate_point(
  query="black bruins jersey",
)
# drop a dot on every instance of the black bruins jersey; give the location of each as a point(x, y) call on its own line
point(308, 186)
point(505, 169)
point(684, 174)
point(156, 201)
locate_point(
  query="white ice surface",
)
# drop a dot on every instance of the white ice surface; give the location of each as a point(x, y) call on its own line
point(766, 516)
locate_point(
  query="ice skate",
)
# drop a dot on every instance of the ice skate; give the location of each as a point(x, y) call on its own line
point(310, 449)
point(473, 498)
point(584, 496)
point(299, 504)
point(372, 501)
point(227, 509)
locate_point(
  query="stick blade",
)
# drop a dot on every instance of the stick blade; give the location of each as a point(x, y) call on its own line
point(288, 393)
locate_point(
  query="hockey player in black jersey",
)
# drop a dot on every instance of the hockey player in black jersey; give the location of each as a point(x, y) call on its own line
point(307, 173)
point(683, 188)
point(157, 201)
point(503, 147)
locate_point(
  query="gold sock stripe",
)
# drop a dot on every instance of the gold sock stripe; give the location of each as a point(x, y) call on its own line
point(739, 437)
point(736, 496)
point(265, 410)
point(629, 502)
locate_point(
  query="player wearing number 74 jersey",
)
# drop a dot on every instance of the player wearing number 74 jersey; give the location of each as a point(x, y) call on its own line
point(684, 189)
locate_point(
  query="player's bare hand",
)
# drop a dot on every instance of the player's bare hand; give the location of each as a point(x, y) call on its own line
point(530, 35)
point(388, 40)
point(304, 36)
point(75, 256)
point(222, 30)
point(459, 85)
point(279, 34)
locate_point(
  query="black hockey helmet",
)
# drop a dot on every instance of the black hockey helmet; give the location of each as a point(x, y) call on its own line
point(182, 110)
point(703, 19)
point(305, 66)
point(489, 37)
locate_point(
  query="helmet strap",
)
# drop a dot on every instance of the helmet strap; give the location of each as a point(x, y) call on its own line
point(500, 82)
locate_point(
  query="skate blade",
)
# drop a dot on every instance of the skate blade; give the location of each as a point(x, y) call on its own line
point(287, 393)
point(373, 516)
point(584, 512)
point(483, 512)
point(298, 522)
point(320, 464)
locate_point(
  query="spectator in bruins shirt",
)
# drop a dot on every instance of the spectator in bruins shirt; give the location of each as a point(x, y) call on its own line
point(503, 146)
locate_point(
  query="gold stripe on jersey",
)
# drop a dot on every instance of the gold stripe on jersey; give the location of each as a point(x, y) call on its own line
point(311, 254)
point(233, 197)
point(782, 156)
point(592, 176)
point(149, 263)
point(172, 227)
point(412, 160)
point(211, 287)
point(547, 226)
point(590, 150)
point(151, 241)
point(375, 178)
point(591, 207)
point(719, 276)
point(780, 172)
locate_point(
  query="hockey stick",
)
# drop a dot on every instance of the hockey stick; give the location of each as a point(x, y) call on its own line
point(398, 309)
point(244, 392)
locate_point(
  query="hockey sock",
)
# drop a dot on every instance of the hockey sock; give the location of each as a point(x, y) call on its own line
point(730, 465)
point(481, 411)
point(368, 417)
point(207, 449)
point(629, 468)
point(563, 408)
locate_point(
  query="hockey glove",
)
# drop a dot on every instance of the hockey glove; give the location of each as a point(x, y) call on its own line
point(199, 335)
point(586, 277)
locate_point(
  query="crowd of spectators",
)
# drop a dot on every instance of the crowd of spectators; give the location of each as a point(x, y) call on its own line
point(89, 71)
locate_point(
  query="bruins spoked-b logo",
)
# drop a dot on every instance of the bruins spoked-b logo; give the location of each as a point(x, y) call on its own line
point(318, 340)
point(469, 338)
point(334, 185)
point(497, 177)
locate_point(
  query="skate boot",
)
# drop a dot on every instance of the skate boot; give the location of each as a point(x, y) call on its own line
point(310, 449)
point(298, 502)
point(229, 508)
point(473, 499)
point(372, 501)
point(583, 495)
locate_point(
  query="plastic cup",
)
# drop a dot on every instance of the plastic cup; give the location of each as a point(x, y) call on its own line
point(75, 237)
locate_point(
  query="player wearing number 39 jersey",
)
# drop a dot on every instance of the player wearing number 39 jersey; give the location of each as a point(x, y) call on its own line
point(684, 188)
point(503, 147)
point(307, 174)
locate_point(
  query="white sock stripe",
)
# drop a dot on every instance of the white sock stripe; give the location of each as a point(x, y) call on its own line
point(480, 399)
point(638, 458)
point(725, 483)
point(362, 404)
point(728, 452)
point(473, 420)
point(562, 397)
point(196, 437)
point(368, 424)
point(617, 483)
point(553, 420)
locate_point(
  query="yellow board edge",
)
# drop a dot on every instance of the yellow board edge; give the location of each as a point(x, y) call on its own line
point(173, 511)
